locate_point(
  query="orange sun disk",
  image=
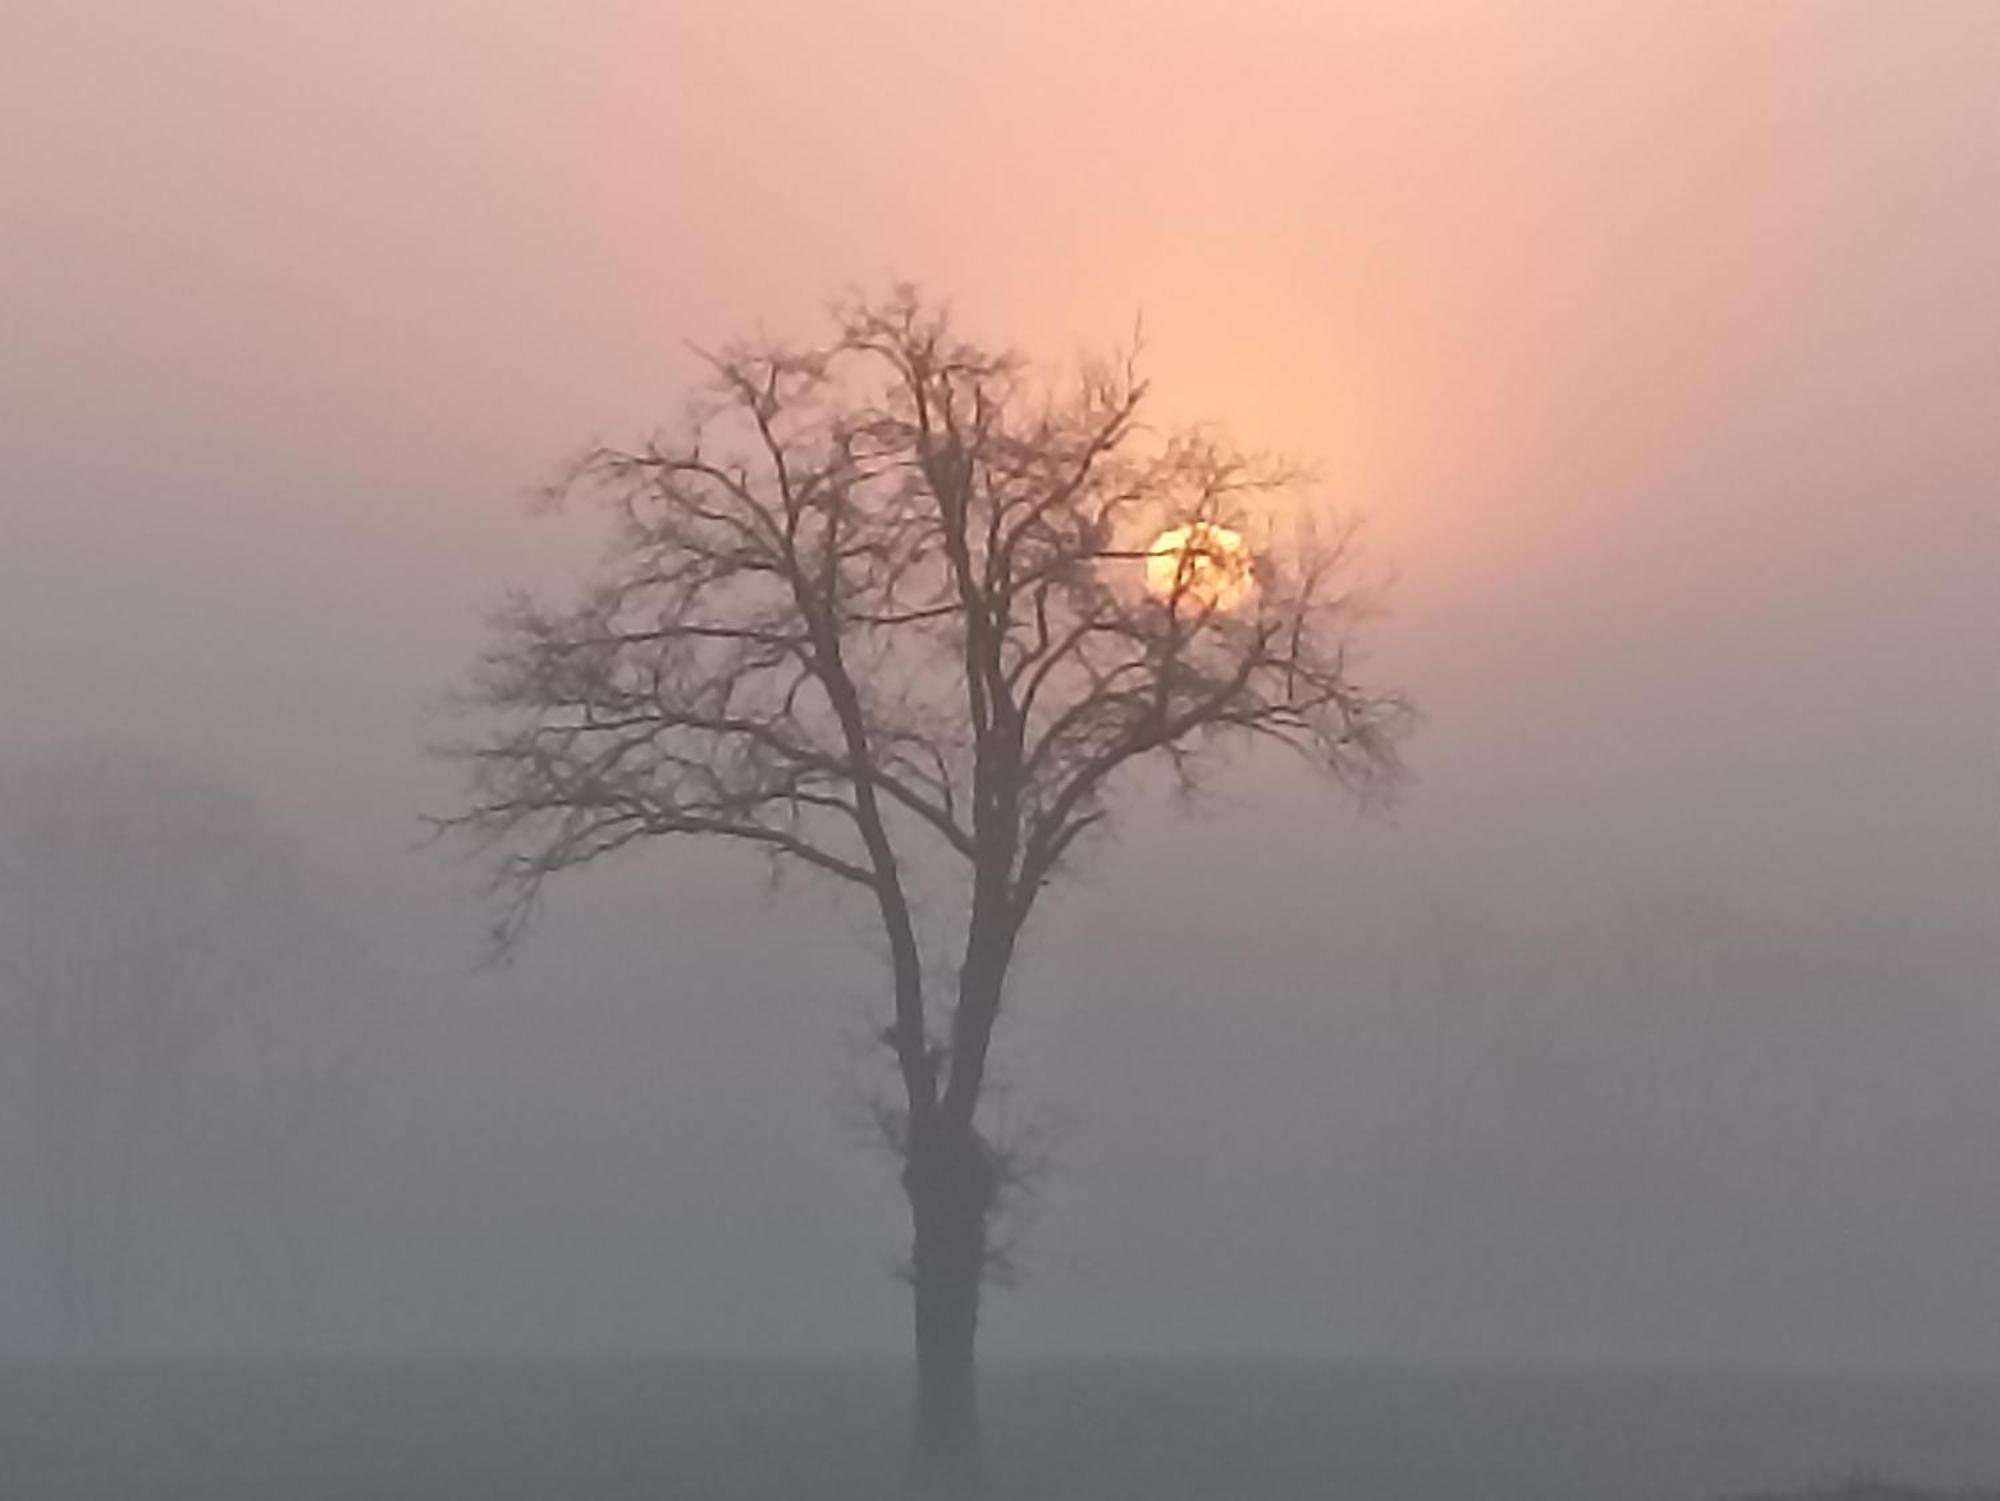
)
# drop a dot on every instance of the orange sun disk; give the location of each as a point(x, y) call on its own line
point(1202, 564)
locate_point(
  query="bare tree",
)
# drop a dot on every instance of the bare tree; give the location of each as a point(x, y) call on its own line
point(273, 1073)
point(888, 609)
point(148, 914)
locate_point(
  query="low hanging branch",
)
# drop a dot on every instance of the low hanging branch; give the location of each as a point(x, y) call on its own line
point(883, 603)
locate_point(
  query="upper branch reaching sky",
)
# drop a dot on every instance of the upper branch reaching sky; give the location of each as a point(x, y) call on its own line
point(887, 594)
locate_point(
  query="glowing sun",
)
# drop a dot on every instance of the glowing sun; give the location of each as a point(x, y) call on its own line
point(1206, 565)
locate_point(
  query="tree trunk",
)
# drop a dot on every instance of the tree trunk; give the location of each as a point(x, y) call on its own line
point(950, 1188)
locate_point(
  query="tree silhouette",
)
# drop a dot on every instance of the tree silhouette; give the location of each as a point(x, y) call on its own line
point(153, 926)
point(888, 609)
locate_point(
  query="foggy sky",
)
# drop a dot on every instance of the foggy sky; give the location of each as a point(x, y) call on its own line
point(1661, 346)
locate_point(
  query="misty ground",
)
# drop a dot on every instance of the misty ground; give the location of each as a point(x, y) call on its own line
point(594, 1430)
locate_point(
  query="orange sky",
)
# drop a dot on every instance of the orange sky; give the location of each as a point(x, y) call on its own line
point(1500, 267)
point(1646, 329)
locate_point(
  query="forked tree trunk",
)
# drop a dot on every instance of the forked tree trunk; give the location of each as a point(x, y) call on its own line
point(949, 1183)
